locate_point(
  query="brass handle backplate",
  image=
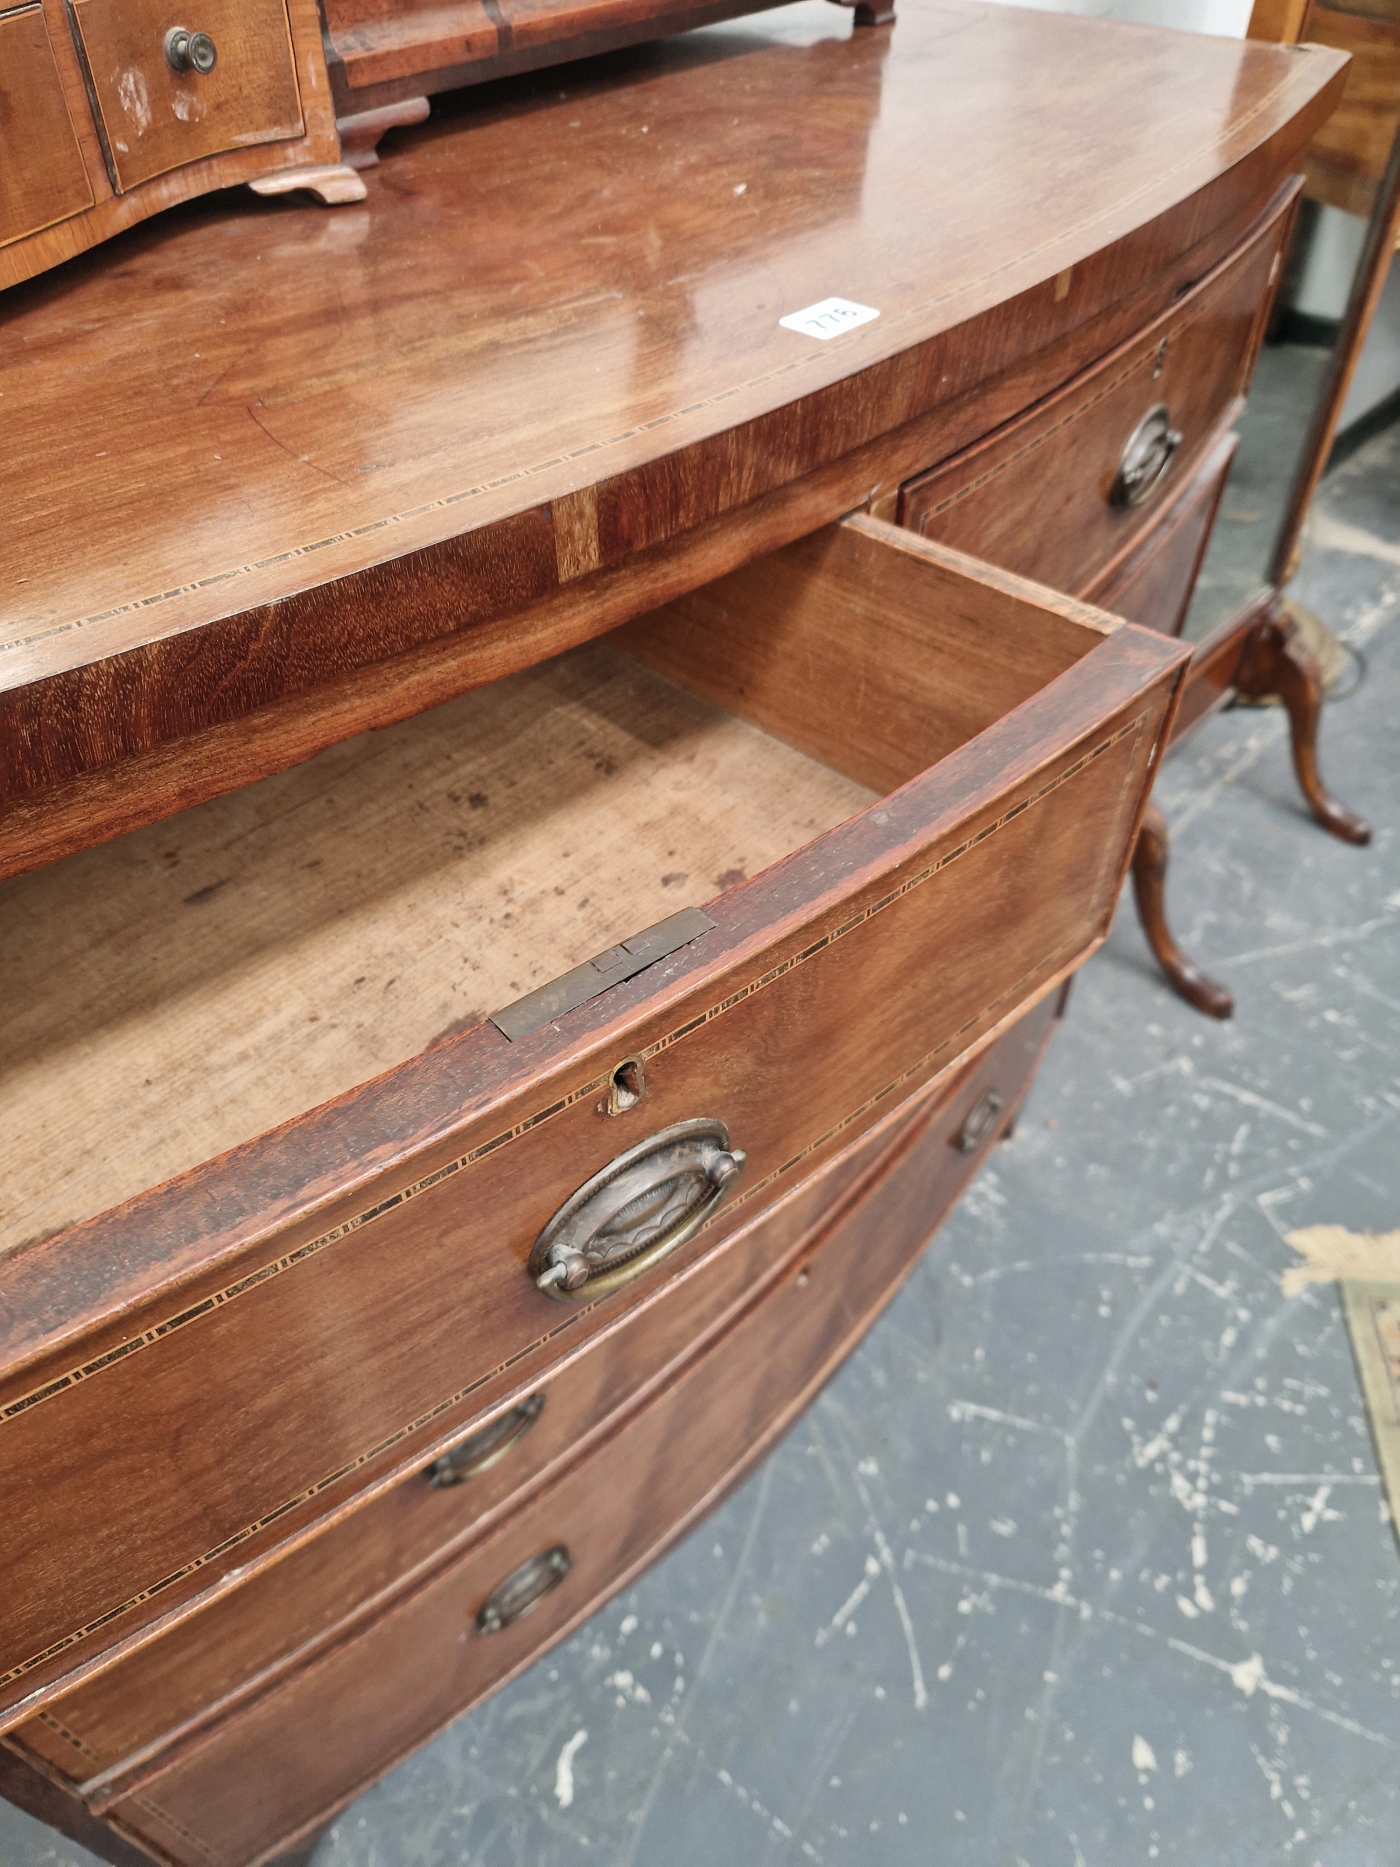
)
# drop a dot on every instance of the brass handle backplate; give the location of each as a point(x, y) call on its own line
point(524, 1588)
point(1147, 453)
point(190, 51)
point(636, 1210)
point(981, 1120)
point(487, 1447)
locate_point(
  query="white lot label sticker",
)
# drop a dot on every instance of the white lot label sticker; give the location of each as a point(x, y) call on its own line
point(828, 319)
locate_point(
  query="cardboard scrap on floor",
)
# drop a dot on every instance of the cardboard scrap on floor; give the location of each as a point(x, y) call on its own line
point(1373, 1316)
point(1366, 1266)
point(1331, 1254)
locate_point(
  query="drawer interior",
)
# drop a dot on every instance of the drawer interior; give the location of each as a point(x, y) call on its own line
point(176, 992)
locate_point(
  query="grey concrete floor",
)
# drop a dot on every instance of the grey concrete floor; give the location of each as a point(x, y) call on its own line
point(1287, 380)
point(1082, 1560)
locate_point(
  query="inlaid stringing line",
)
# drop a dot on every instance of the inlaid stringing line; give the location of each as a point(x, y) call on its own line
point(1070, 416)
point(405, 1431)
point(865, 335)
point(316, 1245)
point(443, 1406)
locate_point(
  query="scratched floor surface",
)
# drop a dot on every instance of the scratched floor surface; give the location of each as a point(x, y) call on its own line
point(1082, 1560)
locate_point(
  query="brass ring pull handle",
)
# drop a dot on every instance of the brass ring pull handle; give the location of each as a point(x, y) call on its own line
point(1146, 455)
point(486, 1447)
point(190, 51)
point(981, 1120)
point(524, 1588)
point(636, 1210)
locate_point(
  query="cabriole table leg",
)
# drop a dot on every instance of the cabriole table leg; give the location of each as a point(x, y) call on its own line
point(1277, 661)
point(1149, 886)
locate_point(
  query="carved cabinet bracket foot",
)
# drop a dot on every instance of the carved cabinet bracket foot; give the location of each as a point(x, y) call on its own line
point(870, 12)
point(360, 133)
point(333, 184)
point(1277, 661)
point(1149, 886)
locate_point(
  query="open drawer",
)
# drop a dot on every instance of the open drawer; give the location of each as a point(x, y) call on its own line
point(930, 773)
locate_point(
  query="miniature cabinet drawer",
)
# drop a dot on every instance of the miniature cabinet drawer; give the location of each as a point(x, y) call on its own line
point(1152, 584)
point(1071, 485)
point(286, 1761)
point(320, 1304)
point(42, 177)
point(160, 107)
point(114, 1731)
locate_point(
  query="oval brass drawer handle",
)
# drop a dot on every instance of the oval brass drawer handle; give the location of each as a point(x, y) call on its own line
point(981, 1120)
point(190, 51)
point(486, 1447)
point(524, 1588)
point(636, 1210)
point(1147, 453)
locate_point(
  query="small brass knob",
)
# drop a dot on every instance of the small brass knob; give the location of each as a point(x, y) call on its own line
point(190, 51)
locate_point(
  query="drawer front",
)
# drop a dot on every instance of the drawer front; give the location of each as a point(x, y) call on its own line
point(232, 1644)
point(1152, 585)
point(1046, 495)
point(287, 1760)
point(352, 1329)
point(42, 178)
point(163, 103)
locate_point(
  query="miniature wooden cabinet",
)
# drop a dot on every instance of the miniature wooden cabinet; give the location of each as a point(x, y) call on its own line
point(108, 118)
point(111, 110)
point(161, 104)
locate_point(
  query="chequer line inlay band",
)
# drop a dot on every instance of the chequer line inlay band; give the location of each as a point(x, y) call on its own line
point(1046, 966)
point(866, 336)
point(84, 1371)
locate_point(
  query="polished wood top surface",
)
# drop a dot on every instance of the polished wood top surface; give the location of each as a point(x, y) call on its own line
point(558, 282)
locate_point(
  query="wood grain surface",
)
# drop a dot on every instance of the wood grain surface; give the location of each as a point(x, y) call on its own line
point(42, 175)
point(299, 447)
point(1282, 21)
point(155, 118)
point(1153, 583)
point(126, 1723)
point(377, 52)
point(390, 463)
point(111, 212)
point(289, 1758)
point(178, 991)
point(994, 872)
point(41, 1792)
point(1038, 496)
point(1347, 156)
point(866, 647)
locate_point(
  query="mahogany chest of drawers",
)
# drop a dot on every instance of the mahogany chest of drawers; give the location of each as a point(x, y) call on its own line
point(548, 813)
